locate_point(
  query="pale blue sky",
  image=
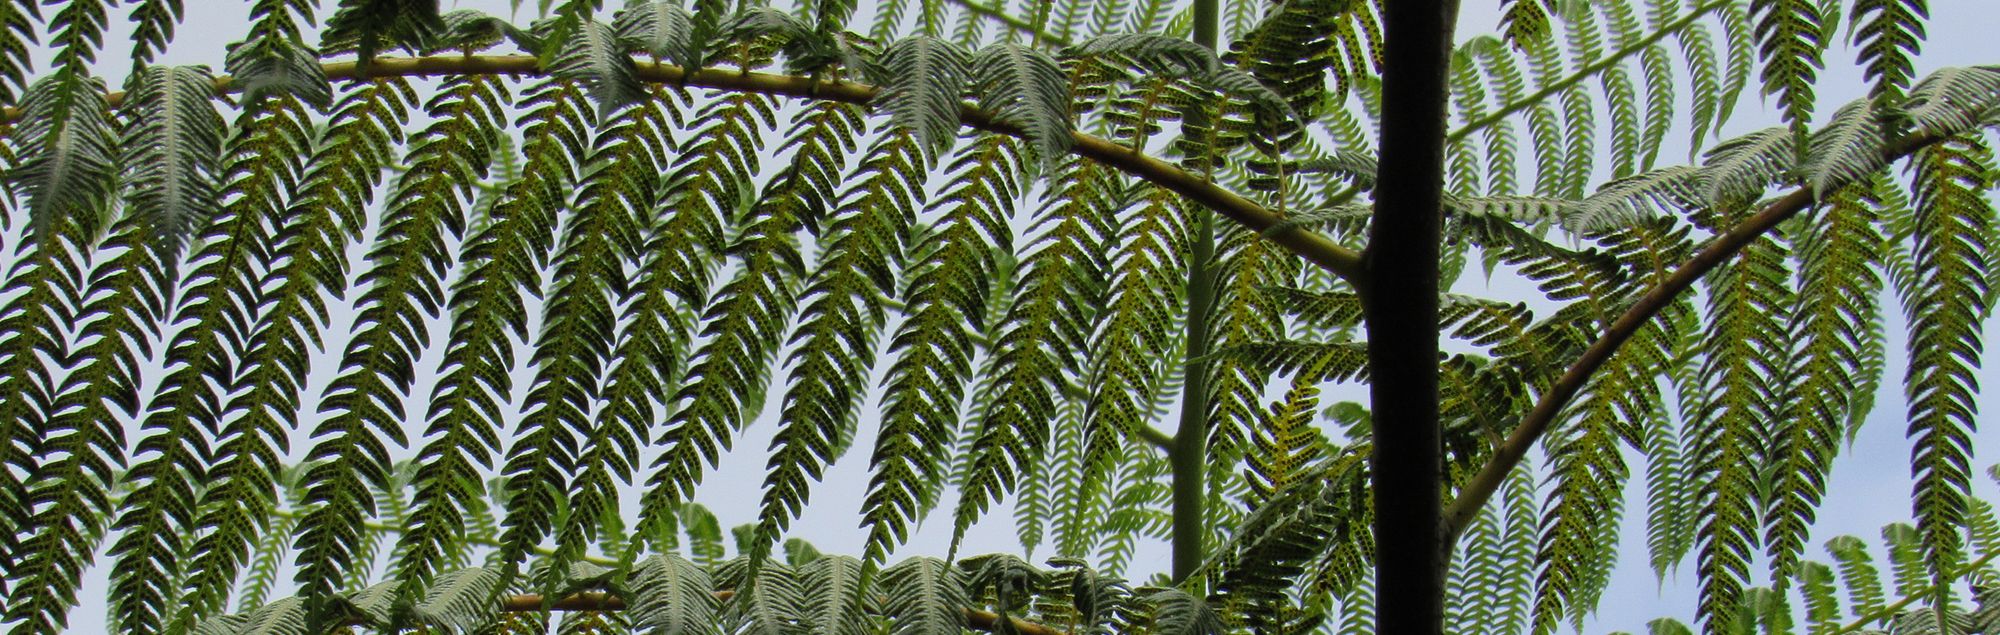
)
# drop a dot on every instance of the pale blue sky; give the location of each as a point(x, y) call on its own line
point(1870, 486)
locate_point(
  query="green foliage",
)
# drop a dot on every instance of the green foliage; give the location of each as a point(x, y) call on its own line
point(580, 290)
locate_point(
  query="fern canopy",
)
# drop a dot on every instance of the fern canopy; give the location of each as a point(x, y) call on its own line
point(419, 320)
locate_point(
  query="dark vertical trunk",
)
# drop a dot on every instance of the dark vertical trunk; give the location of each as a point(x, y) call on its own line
point(1401, 301)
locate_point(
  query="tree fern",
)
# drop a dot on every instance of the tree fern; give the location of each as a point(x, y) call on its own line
point(839, 598)
point(176, 142)
point(503, 253)
point(927, 594)
point(568, 449)
point(922, 79)
point(672, 596)
point(81, 440)
point(663, 269)
point(17, 32)
point(1889, 33)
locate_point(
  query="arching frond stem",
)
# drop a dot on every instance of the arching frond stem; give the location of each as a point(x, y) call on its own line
point(1588, 71)
point(1510, 452)
point(1314, 247)
point(1892, 609)
point(999, 14)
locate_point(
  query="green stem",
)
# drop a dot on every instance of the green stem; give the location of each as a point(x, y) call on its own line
point(1189, 453)
point(1586, 72)
point(1889, 611)
point(998, 15)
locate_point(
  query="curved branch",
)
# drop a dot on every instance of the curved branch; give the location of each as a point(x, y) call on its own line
point(1510, 452)
point(1311, 246)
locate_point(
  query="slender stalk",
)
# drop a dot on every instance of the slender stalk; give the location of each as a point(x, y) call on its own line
point(1314, 247)
point(1190, 450)
point(1400, 307)
point(999, 15)
point(1604, 63)
point(1889, 611)
point(1552, 402)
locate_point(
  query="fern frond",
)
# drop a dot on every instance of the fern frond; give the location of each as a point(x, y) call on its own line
point(1740, 38)
point(672, 596)
point(1040, 335)
point(1152, 53)
point(241, 490)
point(1846, 150)
point(499, 258)
point(1026, 88)
point(369, 26)
point(1857, 574)
point(1950, 225)
point(926, 595)
point(72, 148)
point(274, 60)
point(1749, 304)
point(1285, 446)
point(1249, 265)
point(1889, 33)
point(769, 599)
point(949, 279)
point(405, 287)
point(663, 30)
point(592, 55)
point(707, 187)
point(155, 21)
point(1952, 101)
point(869, 240)
point(70, 484)
point(1737, 171)
point(571, 450)
point(173, 149)
point(32, 320)
point(1622, 202)
point(1144, 298)
point(1669, 501)
point(1790, 41)
point(1838, 286)
point(839, 596)
point(17, 32)
point(618, 197)
point(766, 293)
point(922, 80)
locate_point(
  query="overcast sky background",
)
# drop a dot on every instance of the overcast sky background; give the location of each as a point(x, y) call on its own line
point(1870, 485)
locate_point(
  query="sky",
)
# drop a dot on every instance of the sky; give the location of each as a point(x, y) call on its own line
point(1869, 488)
